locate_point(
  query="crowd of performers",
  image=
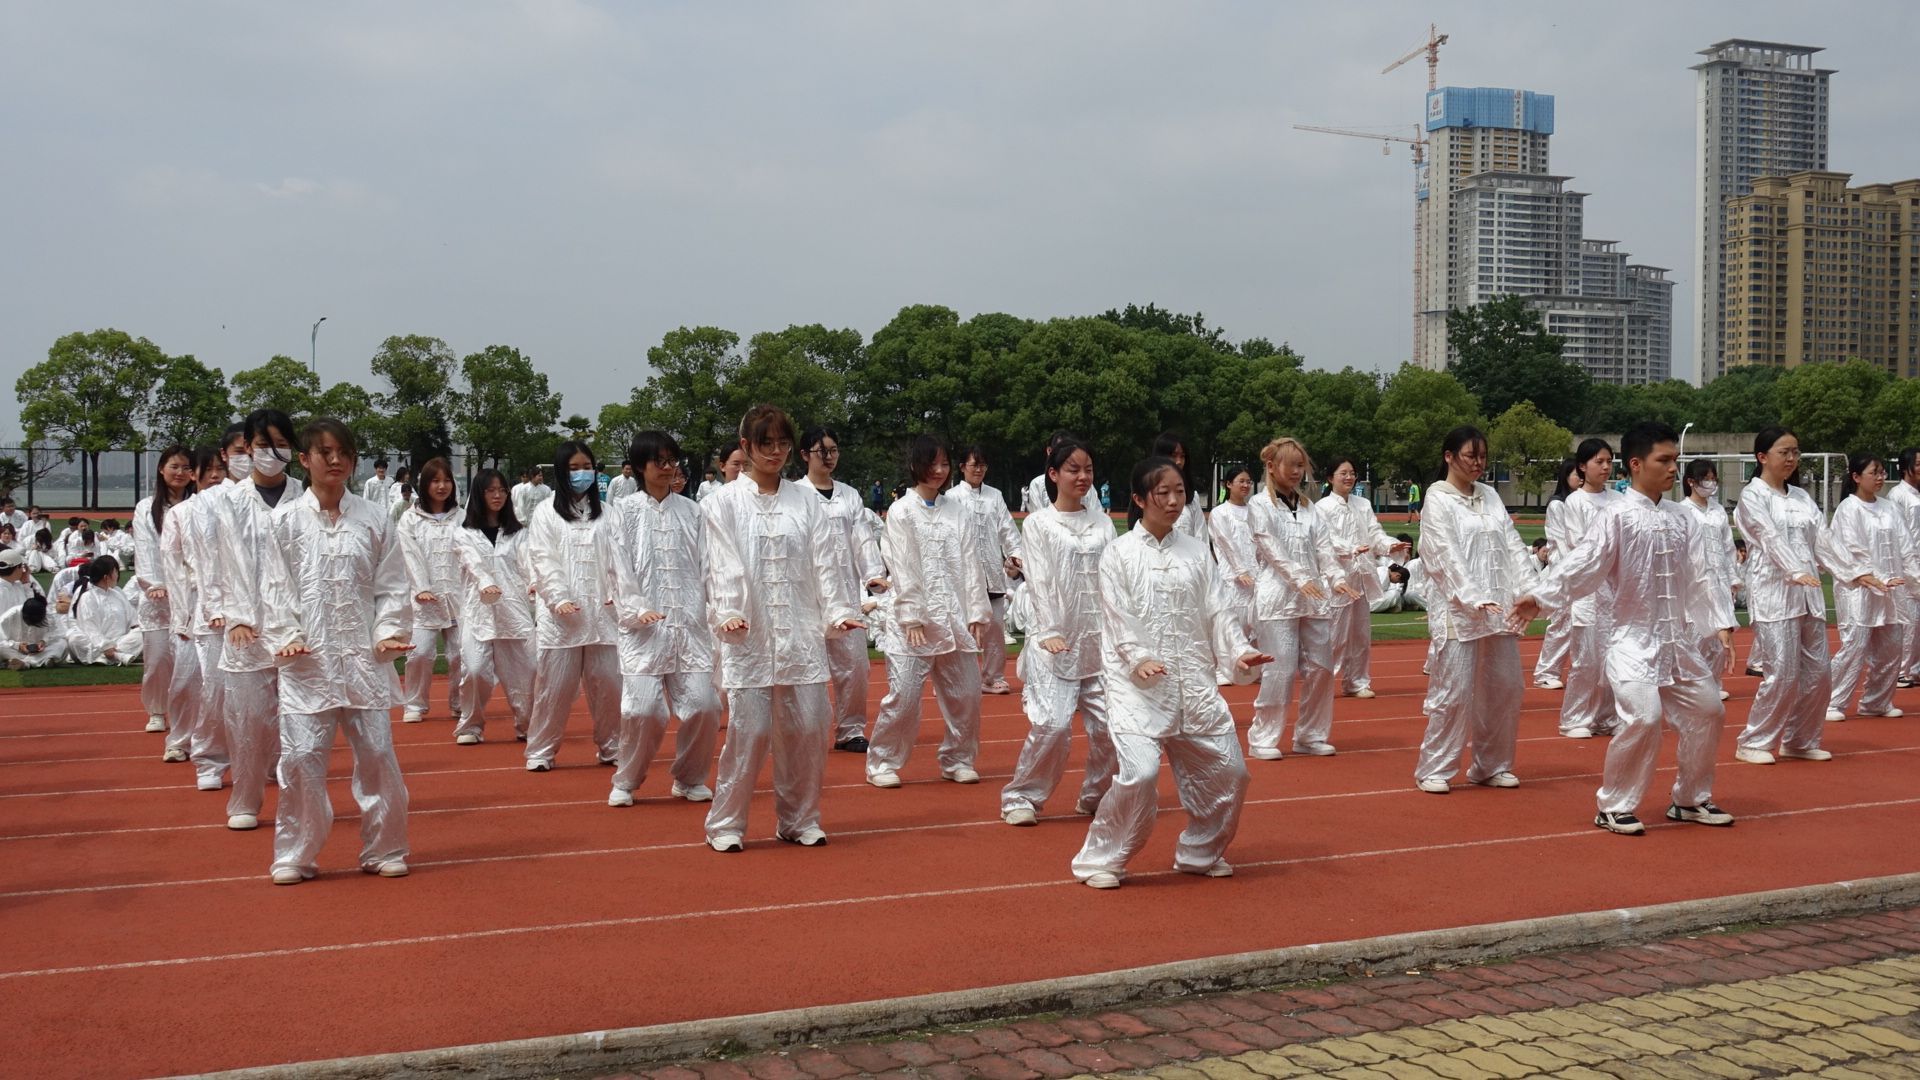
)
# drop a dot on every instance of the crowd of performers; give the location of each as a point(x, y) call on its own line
point(269, 615)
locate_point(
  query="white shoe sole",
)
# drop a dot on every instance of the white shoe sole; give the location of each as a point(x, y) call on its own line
point(884, 780)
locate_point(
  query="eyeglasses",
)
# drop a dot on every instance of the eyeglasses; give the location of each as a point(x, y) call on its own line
point(825, 451)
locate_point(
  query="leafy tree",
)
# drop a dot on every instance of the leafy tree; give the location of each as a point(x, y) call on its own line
point(914, 374)
point(578, 427)
point(1893, 420)
point(281, 383)
point(507, 412)
point(1528, 445)
point(83, 396)
point(1417, 409)
point(189, 404)
point(1157, 319)
point(619, 422)
point(350, 404)
point(1673, 402)
point(1744, 399)
point(13, 474)
point(1826, 404)
point(418, 371)
point(1090, 376)
point(1506, 356)
point(686, 395)
point(803, 369)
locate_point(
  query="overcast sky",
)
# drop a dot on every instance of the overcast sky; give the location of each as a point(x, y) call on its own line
point(577, 179)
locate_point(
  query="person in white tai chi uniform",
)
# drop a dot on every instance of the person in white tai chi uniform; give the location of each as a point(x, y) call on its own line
point(1476, 567)
point(1060, 667)
point(940, 614)
point(377, 487)
point(571, 547)
point(1644, 552)
point(1300, 576)
point(173, 485)
point(1168, 625)
point(336, 600)
point(1718, 564)
point(496, 617)
point(1359, 542)
point(1789, 543)
point(666, 646)
point(857, 555)
point(1549, 671)
point(623, 485)
point(1870, 539)
point(188, 546)
point(774, 594)
point(1905, 496)
point(1587, 709)
point(996, 543)
point(429, 533)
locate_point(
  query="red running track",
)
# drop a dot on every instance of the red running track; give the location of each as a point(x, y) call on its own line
point(143, 938)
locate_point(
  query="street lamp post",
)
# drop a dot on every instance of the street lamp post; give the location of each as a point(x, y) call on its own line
point(313, 343)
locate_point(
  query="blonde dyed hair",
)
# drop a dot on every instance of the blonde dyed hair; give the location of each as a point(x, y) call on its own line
point(1270, 460)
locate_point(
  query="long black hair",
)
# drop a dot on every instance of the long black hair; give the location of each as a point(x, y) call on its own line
point(438, 467)
point(91, 573)
point(563, 495)
point(1142, 484)
point(1763, 443)
point(1587, 451)
point(1697, 470)
point(1856, 465)
point(1164, 445)
point(1057, 456)
point(1457, 440)
point(476, 503)
point(162, 498)
point(1563, 481)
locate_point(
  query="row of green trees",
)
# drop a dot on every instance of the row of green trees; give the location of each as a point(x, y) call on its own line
point(998, 380)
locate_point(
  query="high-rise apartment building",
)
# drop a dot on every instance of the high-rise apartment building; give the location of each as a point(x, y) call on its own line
point(1519, 234)
point(1470, 130)
point(1762, 111)
point(1820, 271)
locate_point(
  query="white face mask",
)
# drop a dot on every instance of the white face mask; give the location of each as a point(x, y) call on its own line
point(269, 463)
point(1706, 489)
point(239, 465)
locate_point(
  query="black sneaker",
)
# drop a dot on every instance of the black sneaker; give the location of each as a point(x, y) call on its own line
point(1622, 823)
point(1756, 672)
point(1704, 814)
point(1904, 682)
point(856, 744)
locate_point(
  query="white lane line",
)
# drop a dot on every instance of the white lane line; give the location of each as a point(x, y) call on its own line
point(836, 902)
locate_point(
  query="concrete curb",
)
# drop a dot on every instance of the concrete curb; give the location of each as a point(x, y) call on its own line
point(639, 1047)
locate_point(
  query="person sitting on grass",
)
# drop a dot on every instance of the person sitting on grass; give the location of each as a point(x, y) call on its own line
point(31, 636)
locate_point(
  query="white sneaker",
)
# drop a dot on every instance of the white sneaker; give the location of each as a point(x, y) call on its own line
point(466, 738)
point(288, 875)
point(1812, 753)
point(726, 842)
point(1500, 780)
point(1889, 714)
point(1753, 757)
point(616, 797)
point(413, 716)
point(243, 822)
point(1085, 807)
point(1724, 695)
point(1835, 716)
point(1318, 749)
point(696, 793)
point(156, 723)
point(1548, 683)
point(1264, 753)
point(174, 754)
point(1578, 733)
point(208, 783)
point(884, 778)
point(1223, 868)
point(390, 868)
point(538, 765)
point(1364, 693)
point(813, 837)
point(1102, 880)
point(1021, 815)
point(1433, 785)
point(962, 775)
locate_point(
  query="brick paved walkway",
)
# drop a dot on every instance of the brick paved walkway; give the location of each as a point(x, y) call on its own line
point(1832, 998)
